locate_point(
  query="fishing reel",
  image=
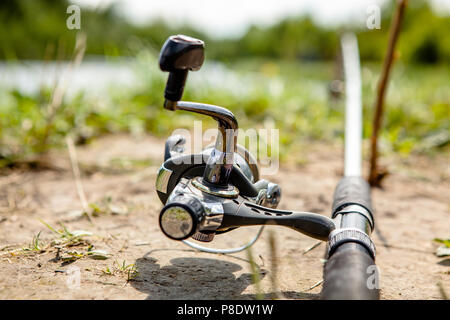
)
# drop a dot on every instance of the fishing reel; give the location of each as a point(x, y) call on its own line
point(218, 189)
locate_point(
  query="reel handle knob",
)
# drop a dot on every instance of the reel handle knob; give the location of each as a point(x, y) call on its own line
point(180, 54)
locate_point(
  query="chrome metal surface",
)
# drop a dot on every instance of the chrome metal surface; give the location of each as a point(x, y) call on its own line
point(273, 195)
point(220, 163)
point(352, 211)
point(219, 167)
point(212, 204)
point(229, 192)
point(261, 197)
point(355, 220)
point(213, 216)
point(174, 146)
point(269, 194)
point(162, 179)
point(243, 159)
point(225, 117)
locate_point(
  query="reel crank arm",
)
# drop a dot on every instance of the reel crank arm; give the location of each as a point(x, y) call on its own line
point(245, 213)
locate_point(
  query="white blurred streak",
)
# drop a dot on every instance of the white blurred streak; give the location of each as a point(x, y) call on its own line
point(233, 17)
point(353, 107)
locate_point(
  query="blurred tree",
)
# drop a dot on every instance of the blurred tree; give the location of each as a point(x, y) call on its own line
point(424, 38)
point(29, 28)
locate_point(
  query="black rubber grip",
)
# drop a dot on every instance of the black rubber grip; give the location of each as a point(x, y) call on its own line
point(350, 274)
point(352, 190)
point(239, 214)
point(175, 85)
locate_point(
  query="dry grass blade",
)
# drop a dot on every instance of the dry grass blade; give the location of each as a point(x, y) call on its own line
point(61, 86)
point(36, 244)
point(442, 291)
point(318, 283)
point(315, 245)
point(274, 266)
point(255, 274)
point(77, 176)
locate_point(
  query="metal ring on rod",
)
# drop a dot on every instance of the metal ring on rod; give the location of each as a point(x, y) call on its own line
point(225, 251)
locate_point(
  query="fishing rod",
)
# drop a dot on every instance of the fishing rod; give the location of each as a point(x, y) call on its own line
point(350, 271)
point(219, 189)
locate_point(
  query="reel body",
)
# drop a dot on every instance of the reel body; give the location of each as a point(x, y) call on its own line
point(179, 168)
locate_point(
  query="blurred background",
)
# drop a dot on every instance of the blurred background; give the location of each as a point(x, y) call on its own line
point(273, 63)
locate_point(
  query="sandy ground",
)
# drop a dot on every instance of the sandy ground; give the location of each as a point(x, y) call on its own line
point(142, 263)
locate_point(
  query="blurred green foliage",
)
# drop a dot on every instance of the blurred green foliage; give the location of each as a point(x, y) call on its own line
point(37, 30)
point(291, 96)
point(272, 77)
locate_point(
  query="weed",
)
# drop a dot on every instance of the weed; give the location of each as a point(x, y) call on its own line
point(70, 239)
point(36, 244)
point(123, 269)
point(255, 271)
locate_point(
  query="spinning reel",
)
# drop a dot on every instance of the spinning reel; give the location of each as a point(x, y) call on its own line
point(219, 189)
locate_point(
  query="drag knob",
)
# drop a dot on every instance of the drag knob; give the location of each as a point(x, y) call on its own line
point(179, 219)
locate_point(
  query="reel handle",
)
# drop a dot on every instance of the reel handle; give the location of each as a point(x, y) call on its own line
point(245, 213)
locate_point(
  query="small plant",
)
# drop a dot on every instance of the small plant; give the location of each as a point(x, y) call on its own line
point(72, 256)
point(132, 273)
point(69, 238)
point(106, 206)
point(97, 254)
point(108, 271)
point(445, 242)
point(130, 270)
point(36, 244)
point(444, 249)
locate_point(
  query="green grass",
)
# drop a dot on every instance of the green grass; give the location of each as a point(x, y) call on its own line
point(129, 270)
point(293, 97)
point(36, 244)
point(70, 245)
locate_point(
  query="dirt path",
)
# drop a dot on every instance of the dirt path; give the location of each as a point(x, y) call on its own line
point(118, 178)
